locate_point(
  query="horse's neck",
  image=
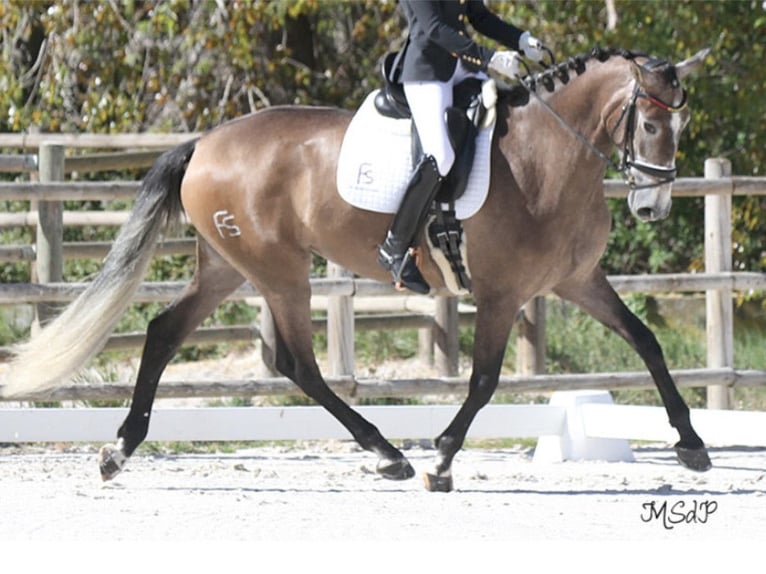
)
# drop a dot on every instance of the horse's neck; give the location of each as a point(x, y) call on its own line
point(559, 168)
point(588, 100)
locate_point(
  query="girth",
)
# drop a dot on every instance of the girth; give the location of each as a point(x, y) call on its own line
point(446, 232)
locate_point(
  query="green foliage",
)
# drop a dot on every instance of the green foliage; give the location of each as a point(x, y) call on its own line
point(180, 65)
point(383, 346)
point(13, 323)
point(11, 272)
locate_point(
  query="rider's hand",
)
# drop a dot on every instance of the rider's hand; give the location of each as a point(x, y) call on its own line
point(531, 47)
point(506, 63)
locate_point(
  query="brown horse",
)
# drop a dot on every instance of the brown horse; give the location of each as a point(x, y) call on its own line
point(262, 196)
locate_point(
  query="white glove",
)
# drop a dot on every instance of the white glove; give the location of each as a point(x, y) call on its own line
point(506, 63)
point(532, 47)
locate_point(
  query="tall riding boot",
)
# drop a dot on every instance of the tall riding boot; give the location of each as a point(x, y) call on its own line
point(395, 255)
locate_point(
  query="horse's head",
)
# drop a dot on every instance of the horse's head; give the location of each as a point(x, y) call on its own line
point(648, 131)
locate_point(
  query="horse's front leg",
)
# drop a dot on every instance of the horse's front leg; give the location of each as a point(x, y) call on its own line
point(494, 320)
point(597, 297)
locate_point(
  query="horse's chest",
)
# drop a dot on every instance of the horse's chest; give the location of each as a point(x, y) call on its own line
point(567, 241)
point(585, 243)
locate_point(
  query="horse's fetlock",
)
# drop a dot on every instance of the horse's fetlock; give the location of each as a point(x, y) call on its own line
point(445, 444)
point(371, 440)
point(483, 387)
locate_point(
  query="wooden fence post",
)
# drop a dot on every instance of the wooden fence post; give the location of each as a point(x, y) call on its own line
point(426, 345)
point(719, 303)
point(530, 342)
point(268, 341)
point(50, 229)
point(446, 337)
point(340, 328)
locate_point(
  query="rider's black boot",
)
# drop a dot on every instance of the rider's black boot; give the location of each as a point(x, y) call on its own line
point(395, 254)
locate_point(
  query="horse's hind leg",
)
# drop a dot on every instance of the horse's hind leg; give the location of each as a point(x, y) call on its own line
point(599, 299)
point(291, 309)
point(214, 279)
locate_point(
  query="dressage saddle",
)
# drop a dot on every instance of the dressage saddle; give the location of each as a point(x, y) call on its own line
point(463, 121)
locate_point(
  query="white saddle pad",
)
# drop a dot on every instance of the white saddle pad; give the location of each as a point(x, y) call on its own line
point(375, 163)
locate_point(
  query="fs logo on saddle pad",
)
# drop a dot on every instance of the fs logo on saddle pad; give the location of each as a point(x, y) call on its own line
point(375, 163)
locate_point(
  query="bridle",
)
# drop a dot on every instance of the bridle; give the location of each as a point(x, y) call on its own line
point(663, 175)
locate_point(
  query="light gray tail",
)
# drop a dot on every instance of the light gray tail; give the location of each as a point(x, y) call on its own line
point(66, 344)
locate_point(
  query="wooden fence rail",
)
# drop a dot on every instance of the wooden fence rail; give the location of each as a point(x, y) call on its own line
point(371, 388)
point(719, 281)
point(95, 141)
point(94, 249)
point(165, 291)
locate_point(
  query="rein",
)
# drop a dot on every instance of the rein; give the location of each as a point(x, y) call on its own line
point(663, 174)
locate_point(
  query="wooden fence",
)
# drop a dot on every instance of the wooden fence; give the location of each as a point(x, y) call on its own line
point(438, 322)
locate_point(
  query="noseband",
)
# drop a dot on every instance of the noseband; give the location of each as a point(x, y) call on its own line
point(663, 174)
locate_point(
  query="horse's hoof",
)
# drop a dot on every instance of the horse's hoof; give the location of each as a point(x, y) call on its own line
point(399, 469)
point(437, 483)
point(111, 461)
point(694, 458)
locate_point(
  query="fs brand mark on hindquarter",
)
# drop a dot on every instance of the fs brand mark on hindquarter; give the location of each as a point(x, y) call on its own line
point(224, 223)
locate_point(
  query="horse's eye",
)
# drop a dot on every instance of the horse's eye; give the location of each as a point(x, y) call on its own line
point(650, 128)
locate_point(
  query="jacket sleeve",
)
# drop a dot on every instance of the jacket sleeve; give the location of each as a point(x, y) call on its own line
point(429, 16)
point(488, 24)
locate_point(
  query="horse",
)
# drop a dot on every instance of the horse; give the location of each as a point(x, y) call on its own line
point(261, 192)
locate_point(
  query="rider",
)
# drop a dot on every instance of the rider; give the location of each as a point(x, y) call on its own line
point(437, 56)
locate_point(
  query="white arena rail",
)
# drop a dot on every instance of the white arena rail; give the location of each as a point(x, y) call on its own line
point(576, 425)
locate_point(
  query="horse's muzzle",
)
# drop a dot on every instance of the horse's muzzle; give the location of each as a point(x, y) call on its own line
point(650, 204)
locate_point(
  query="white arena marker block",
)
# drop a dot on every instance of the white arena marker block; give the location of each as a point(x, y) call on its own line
point(574, 444)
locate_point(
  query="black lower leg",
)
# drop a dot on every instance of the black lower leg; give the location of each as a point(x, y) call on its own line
point(449, 442)
point(393, 464)
point(599, 298)
point(690, 448)
point(134, 429)
point(157, 353)
point(164, 336)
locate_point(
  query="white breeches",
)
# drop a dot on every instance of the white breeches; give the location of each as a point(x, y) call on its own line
point(428, 101)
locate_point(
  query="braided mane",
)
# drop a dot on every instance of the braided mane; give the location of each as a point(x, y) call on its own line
point(519, 95)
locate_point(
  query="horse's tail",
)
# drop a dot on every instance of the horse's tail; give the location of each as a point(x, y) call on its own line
point(63, 346)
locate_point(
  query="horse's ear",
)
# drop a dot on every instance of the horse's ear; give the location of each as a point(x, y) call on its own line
point(689, 65)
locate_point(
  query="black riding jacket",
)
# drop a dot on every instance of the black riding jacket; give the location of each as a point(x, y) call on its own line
point(438, 38)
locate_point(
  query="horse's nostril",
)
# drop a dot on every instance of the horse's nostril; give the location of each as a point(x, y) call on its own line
point(645, 213)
